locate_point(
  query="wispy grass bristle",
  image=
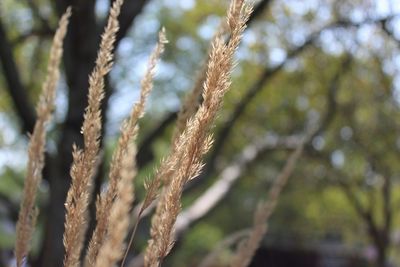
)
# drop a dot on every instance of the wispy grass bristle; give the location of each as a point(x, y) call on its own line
point(129, 131)
point(112, 249)
point(191, 140)
point(185, 161)
point(84, 160)
point(192, 99)
point(36, 151)
point(247, 248)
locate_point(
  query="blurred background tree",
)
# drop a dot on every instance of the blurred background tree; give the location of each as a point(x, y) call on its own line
point(337, 62)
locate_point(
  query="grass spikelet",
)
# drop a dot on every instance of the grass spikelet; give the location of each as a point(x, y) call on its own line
point(112, 249)
point(128, 135)
point(246, 249)
point(192, 99)
point(28, 212)
point(189, 108)
point(84, 161)
point(195, 139)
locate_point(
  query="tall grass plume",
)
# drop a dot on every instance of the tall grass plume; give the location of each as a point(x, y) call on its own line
point(36, 151)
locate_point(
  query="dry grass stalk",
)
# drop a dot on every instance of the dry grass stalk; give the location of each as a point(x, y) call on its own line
point(192, 99)
point(248, 247)
point(112, 249)
point(84, 161)
point(189, 107)
point(210, 259)
point(28, 212)
point(128, 135)
point(195, 139)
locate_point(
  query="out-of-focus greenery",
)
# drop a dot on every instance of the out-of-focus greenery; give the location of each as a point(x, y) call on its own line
point(359, 146)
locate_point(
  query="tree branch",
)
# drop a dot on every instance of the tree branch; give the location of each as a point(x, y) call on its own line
point(379, 233)
point(36, 12)
point(145, 153)
point(227, 242)
point(11, 207)
point(332, 93)
point(39, 32)
point(365, 213)
point(258, 11)
point(15, 87)
point(129, 11)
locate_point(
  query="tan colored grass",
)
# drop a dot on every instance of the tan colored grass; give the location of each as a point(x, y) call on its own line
point(112, 249)
point(28, 212)
point(129, 132)
point(247, 248)
point(191, 101)
point(190, 141)
point(195, 140)
point(189, 107)
point(84, 160)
